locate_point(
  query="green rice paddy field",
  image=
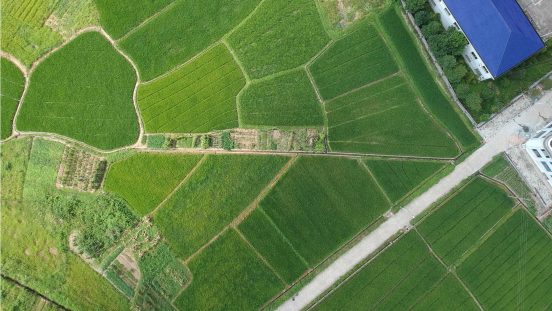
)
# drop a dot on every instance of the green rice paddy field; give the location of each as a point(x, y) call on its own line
point(12, 83)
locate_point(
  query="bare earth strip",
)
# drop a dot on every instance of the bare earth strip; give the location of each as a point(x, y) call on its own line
point(508, 135)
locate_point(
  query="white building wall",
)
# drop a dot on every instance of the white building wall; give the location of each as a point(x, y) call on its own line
point(472, 58)
point(540, 150)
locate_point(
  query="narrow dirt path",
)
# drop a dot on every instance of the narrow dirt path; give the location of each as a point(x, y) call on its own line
point(508, 135)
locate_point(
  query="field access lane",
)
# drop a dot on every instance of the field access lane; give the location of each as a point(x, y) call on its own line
point(508, 134)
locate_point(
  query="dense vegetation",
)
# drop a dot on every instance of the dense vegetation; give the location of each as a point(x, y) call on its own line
point(91, 99)
point(287, 100)
point(12, 83)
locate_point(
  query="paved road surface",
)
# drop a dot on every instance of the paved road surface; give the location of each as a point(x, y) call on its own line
point(509, 134)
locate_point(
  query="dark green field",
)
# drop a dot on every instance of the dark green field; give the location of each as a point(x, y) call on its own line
point(91, 99)
point(12, 87)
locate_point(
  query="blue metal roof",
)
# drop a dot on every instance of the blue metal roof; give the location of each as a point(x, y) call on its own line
point(499, 30)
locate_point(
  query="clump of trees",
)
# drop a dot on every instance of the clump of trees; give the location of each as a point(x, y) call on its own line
point(226, 141)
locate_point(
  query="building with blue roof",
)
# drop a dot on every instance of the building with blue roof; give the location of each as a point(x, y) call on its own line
point(499, 33)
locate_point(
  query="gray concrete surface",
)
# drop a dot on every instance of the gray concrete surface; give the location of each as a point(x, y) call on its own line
point(504, 136)
point(540, 13)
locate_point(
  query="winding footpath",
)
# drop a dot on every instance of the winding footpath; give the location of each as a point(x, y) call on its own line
point(507, 135)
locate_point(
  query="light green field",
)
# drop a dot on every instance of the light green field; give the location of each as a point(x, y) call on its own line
point(212, 197)
point(12, 84)
point(185, 29)
point(15, 297)
point(103, 115)
point(287, 100)
point(280, 35)
point(399, 178)
point(198, 97)
point(385, 118)
point(132, 178)
point(228, 275)
point(30, 28)
point(353, 61)
point(461, 221)
point(321, 203)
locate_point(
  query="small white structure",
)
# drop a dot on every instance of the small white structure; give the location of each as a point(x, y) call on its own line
point(539, 148)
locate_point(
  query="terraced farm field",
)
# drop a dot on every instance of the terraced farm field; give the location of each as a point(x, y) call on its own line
point(197, 97)
point(12, 83)
point(91, 100)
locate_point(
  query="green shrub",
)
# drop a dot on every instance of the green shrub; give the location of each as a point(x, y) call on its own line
point(473, 101)
point(433, 28)
point(422, 18)
point(205, 141)
point(414, 6)
point(456, 74)
point(227, 142)
point(547, 84)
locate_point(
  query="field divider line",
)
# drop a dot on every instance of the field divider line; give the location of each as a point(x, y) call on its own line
point(148, 20)
point(184, 180)
point(236, 59)
point(261, 257)
point(369, 84)
point(244, 20)
point(45, 298)
point(371, 174)
point(422, 184)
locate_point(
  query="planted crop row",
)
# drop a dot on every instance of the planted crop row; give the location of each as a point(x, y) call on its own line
point(358, 59)
point(198, 97)
point(385, 118)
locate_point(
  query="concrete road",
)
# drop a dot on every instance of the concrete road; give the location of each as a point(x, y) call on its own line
point(508, 134)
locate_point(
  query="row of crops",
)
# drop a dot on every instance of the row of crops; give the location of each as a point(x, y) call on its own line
point(477, 249)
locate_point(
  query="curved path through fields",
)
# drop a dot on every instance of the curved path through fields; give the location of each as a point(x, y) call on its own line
point(505, 135)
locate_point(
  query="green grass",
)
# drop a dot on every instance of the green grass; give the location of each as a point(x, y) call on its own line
point(30, 28)
point(42, 169)
point(228, 276)
point(399, 178)
point(287, 100)
point(15, 297)
point(385, 118)
point(15, 156)
point(397, 279)
point(145, 179)
point(119, 17)
point(280, 35)
point(212, 197)
point(272, 245)
point(512, 269)
point(438, 103)
point(461, 221)
point(12, 84)
point(356, 60)
point(91, 99)
point(322, 203)
point(198, 97)
point(448, 294)
point(181, 32)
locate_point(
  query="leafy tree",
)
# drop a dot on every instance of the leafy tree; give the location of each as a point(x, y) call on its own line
point(433, 28)
point(462, 90)
point(227, 142)
point(447, 62)
point(473, 101)
point(414, 6)
point(488, 94)
point(422, 18)
point(456, 42)
point(456, 74)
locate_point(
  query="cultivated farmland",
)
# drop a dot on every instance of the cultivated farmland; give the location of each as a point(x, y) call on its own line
point(460, 222)
point(173, 37)
point(228, 275)
point(219, 190)
point(198, 97)
point(404, 276)
point(287, 100)
point(12, 87)
point(385, 118)
point(280, 35)
point(132, 178)
point(102, 115)
point(356, 60)
point(316, 192)
point(398, 178)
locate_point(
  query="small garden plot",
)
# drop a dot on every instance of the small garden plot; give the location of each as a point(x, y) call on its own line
point(399, 178)
point(15, 156)
point(408, 53)
point(460, 222)
point(317, 192)
point(119, 17)
point(179, 33)
point(196, 98)
point(385, 118)
point(397, 279)
point(356, 60)
point(12, 84)
point(91, 100)
point(512, 270)
point(132, 178)
point(212, 197)
point(30, 28)
point(267, 239)
point(81, 170)
point(287, 100)
point(280, 35)
point(339, 16)
point(228, 275)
